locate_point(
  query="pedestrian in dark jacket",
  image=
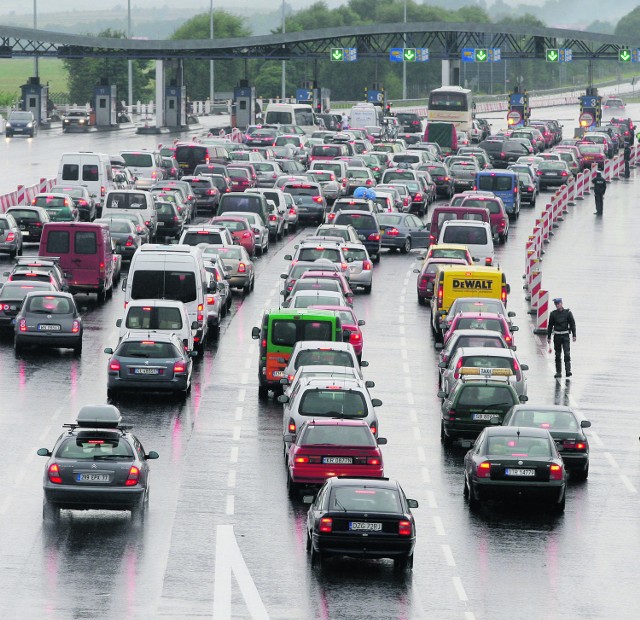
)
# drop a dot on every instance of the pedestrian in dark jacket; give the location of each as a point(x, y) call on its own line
point(599, 188)
point(563, 326)
point(627, 159)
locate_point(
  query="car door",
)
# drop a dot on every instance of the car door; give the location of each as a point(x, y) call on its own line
point(419, 232)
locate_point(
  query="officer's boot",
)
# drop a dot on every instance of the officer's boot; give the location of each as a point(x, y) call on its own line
point(558, 369)
point(567, 368)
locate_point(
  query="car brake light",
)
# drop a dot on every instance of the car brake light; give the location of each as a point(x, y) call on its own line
point(200, 312)
point(114, 365)
point(374, 237)
point(211, 192)
point(54, 474)
point(291, 426)
point(503, 295)
point(103, 191)
point(488, 261)
point(404, 528)
point(367, 265)
point(326, 525)
point(23, 325)
point(242, 268)
point(456, 374)
point(440, 294)
point(373, 460)
point(556, 472)
point(129, 242)
point(374, 429)
point(331, 216)
point(211, 300)
point(272, 218)
point(484, 470)
point(564, 173)
point(134, 476)
point(317, 199)
point(75, 328)
point(179, 367)
point(394, 232)
point(355, 337)
point(301, 459)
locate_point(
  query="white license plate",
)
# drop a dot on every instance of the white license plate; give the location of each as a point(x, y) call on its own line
point(278, 373)
point(520, 472)
point(337, 460)
point(25, 233)
point(49, 328)
point(361, 237)
point(146, 371)
point(484, 416)
point(92, 477)
point(359, 526)
point(160, 223)
point(552, 174)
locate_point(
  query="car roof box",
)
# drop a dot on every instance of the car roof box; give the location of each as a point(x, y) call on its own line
point(99, 416)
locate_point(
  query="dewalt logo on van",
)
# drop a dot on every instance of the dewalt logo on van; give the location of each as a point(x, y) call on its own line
point(472, 284)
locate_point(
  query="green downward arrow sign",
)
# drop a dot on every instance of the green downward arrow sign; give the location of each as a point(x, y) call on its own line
point(552, 55)
point(481, 55)
point(337, 53)
point(625, 55)
point(409, 54)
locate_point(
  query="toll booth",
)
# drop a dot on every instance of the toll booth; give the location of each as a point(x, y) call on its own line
point(519, 110)
point(322, 100)
point(590, 110)
point(244, 105)
point(376, 95)
point(105, 102)
point(35, 98)
point(175, 106)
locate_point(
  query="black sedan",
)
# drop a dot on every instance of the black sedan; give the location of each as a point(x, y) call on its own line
point(48, 319)
point(440, 174)
point(97, 464)
point(170, 222)
point(12, 295)
point(125, 235)
point(553, 173)
point(566, 428)
point(528, 188)
point(361, 518)
point(508, 462)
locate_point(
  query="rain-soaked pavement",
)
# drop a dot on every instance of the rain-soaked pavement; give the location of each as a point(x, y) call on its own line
point(222, 538)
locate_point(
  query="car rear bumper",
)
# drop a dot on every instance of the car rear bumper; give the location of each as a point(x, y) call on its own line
point(314, 475)
point(358, 545)
point(177, 384)
point(393, 242)
point(92, 498)
point(553, 490)
point(9, 247)
point(49, 339)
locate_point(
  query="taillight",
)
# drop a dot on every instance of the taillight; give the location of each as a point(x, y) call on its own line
point(54, 474)
point(503, 295)
point(23, 325)
point(530, 188)
point(394, 232)
point(355, 338)
point(456, 374)
point(502, 155)
point(200, 312)
point(11, 236)
point(367, 265)
point(418, 196)
point(423, 281)
point(211, 192)
point(134, 476)
point(484, 470)
point(103, 191)
point(374, 429)
point(516, 370)
point(556, 472)
point(242, 268)
point(129, 242)
point(564, 173)
point(292, 211)
point(211, 300)
point(404, 528)
point(179, 367)
point(368, 182)
point(374, 237)
point(539, 173)
point(75, 327)
point(301, 459)
point(246, 235)
point(440, 294)
point(326, 525)
point(114, 365)
point(331, 216)
point(101, 268)
point(291, 427)
point(317, 199)
point(290, 378)
point(272, 218)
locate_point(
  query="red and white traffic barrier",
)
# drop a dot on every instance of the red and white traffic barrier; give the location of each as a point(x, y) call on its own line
point(571, 190)
point(534, 265)
point(536, 287)
point(542, 313)
point(581, 182)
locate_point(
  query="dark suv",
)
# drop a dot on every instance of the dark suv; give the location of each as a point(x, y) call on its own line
point(367, 227)
point(410, 122)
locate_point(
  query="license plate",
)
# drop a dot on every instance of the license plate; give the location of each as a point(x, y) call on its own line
point(92, 477)
point(520, 472)
point(484, 416)
point(160, 223)
point(48, 328)
point(337, 460)
point(25, 233)
point(552, 174)
point(146, 371)
point(360, 526)
point(278, 373)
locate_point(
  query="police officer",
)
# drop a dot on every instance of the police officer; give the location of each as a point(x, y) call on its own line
point(627, 158)
point(599, 188)
point(561, 324)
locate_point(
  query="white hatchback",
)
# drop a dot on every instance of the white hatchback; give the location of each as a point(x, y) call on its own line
point(475, 235)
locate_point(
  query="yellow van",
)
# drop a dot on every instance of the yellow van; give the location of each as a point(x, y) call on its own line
point(453, 281)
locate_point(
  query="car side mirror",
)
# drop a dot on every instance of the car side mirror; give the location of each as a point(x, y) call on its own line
point(195, 325)
point(511, 313)
point(43, 452)
point(283, 398)
point(308, 499)
point(109, 351)
point(524, 366)
point(369, 384)
point(585, 424)
point(283, 276)
point(288, 257)
point(416, 271)
point(523, 398)
point(288, 439)
point(412, 503)
point(382, 441)
point(255, 333)
point(118, 322)
point(442, 364)
point(376, 402)
point(152, 455)
point(193, 354)
point(361, 322)
point(514, 328)
point(442, 394)
point(364, 364)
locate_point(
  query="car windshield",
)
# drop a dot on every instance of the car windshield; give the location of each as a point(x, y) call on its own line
point(230, 253)
point(479, 341)
point(94, 447)
point(519, 445)
point(49, 304)
point(18, 292)
point(147, 349)
point(312, 254)
point(315, 299)
point(333, 402)
point(320, 435)
point(323, 357)
point(540, 418)
point(364, 499)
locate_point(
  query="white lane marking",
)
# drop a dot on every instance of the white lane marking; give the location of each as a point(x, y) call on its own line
point(403, 297)
point(611, 460)
point(401, 329)
point(596, 439)
point(403, 342)
point(627, 483)
point(233, 458)
point(231, 480)
point(426, 476)
point(448, 555)
point(400, 316)
point(45, 433)
point(403, 354)
point(421, 455)
point(431, 500)
point(407, 382)
point(239, 412)
point(457, 584)
point(236, 433)
point(58, 411)
point(416, 433)
point(242, 393)
point(229, 560)
point(469, 615)
point(244, 379)
point(230, 509)
point(437, 522)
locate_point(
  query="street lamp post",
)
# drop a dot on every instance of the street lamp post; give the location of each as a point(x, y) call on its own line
point(284, 62)
point(35, 27)
point(404, 64)
point(211, 62)
point(130, 63)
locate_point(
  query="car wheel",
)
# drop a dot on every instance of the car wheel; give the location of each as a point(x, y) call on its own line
point(406, 248)
point(259, 251)
point(215, 330)
point(266, 248)
point(583, 474)
point(558, 508)
point(367, 289)
point(19, 250)
point(50, 512)
point(465, 489)
point(375, 258)
point(102, 296)
point(279, 235)
point(403, 563)
point(316, 558)
point(253, 283)
point(77, 350)
point(229, 301)
point(139, 511)
point(13, 254)
point(293, 228)
point(263, 392)
point(308, 545)
point(502, 239)
point(446, 440)
point(474, 503)
point(292, 487)
point(18, 347)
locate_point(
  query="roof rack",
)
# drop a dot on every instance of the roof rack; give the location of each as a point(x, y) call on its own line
point(37, 260)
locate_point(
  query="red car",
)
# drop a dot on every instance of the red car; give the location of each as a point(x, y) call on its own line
point(240, 230)
point(350, 323)
point(592, 154)
point(325, 448)
point(483, 320)
point(345, 287)
point(240, 179)
point(427, 276)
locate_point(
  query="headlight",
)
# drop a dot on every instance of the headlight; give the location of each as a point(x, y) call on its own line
point(8, 124)
point(81, 121)
point(29, 124)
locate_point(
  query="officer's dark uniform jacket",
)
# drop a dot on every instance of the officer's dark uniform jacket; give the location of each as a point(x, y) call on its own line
point(599, 186)
point(561, 322)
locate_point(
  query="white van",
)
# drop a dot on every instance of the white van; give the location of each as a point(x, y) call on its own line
point(171, 272)
point(365, 115)
point(475, 235)
point(299, 114)
point(145, 316)
point(132, 201)
point(91, 170)
point(144, 164)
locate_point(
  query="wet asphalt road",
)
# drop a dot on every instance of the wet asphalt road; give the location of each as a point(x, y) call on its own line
point(221, 455)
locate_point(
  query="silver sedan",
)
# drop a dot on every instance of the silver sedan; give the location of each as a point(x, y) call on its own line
point(241, 275)
point(360, 266)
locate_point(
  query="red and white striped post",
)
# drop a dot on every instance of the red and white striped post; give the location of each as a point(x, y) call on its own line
point(536, 285)
point(533, 267)
point(571, 191)
point(542, 314)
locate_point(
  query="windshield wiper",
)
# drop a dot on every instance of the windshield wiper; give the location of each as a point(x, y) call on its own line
point(339, 506)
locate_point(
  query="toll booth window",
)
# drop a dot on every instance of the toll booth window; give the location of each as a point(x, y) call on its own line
point(70, 172)
point(284, 333)
point(102, 103)
point(33, 102)
point(86, 242)
point(243, 105)
point(90, 173)
point(58, 242)
point(317, 330)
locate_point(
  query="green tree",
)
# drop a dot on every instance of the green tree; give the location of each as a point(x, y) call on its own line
point(629, 25)
point(196, 72)
point(86, 73)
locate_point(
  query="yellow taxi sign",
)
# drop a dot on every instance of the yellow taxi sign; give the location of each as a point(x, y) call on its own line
point(490, 372)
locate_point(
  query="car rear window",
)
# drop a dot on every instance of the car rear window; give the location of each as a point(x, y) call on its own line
point(333, 402)
point(337, 436)
point(124, 200)
point(49, 304)
point(138, 160)
point(300, 189)
point(86, 242)
point(91, 446)
point(475, 235)
point(552, 420)
point(176, 285)
point(19, 291)
point(479, 341)
point(227, 252)
point(25, 214)
point(361, 499)
point(493, 325)
point(389, 220)
point(496, 183)
point(312, 254)
point(519, 445)
point(152, 317)
point(311, 284)
point(147, 349)
point(315, 299)
point(360, 221)
point(286, 332)
point(487, 361)
point(492, 205)
point(485, 397)
point(201, 236)
point(323, 357)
